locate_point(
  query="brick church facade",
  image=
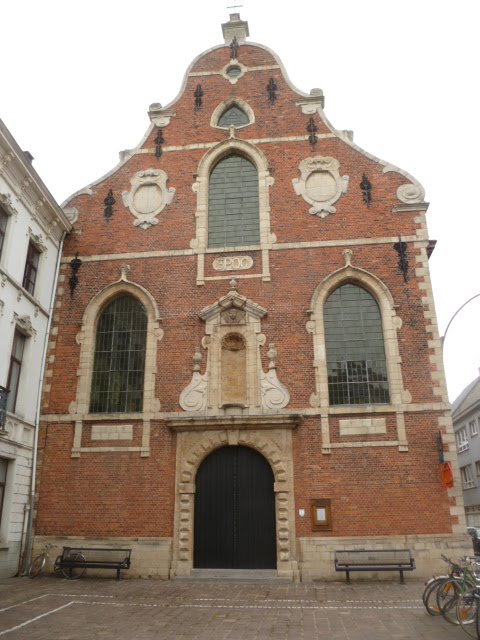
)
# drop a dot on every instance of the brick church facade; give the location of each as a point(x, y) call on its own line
point(244, 367)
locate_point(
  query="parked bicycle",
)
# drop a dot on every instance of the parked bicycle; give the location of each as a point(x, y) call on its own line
point(43, 559)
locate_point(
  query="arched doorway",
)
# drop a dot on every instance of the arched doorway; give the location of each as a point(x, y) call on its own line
point(234, 511)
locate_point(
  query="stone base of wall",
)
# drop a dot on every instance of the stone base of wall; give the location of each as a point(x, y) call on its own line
point(151, 557)
point(317, 554)
point(9, 560)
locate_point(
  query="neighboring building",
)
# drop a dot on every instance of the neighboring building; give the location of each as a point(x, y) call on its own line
point(466, 423)
point(32, 227)
point(248, 373)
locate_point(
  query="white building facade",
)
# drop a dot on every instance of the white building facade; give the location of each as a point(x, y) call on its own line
point(32, 228)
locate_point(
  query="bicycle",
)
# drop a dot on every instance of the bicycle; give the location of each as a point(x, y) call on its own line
point(450, 592)
point(38, 564)
point(429, 596)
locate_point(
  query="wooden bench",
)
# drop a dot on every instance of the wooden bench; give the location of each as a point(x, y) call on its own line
point(374, 560)
point(93, 558)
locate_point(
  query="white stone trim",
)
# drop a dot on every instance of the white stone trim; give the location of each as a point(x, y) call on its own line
point(79, 409)
point(111, 432)
point(200, 187)
point(226, 104)
point(391, 324)
point(234, 63)
point(156, 178)
point(321, 207)
point(193, 447)
point(362, 426)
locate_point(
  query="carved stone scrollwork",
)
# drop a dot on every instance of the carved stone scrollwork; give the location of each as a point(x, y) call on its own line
point(320, 184)
point(24, 323)
point(6, 202)
point(413, 193)
point(274, 394)
point(148, 196)
point(194, 397)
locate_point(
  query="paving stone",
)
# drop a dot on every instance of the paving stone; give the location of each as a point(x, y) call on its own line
point(47, 608)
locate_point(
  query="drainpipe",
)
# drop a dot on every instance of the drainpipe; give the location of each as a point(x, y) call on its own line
point(28, 537)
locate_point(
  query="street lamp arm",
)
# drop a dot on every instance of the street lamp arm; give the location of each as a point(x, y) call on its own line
point(477, 295)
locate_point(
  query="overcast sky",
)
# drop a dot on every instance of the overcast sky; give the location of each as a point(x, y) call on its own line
point(77, 80)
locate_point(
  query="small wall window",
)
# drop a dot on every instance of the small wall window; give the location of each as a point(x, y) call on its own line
point(467, 478)
point(477, 467)
point(3, 482)
point(233, 71)
point(15, 370)
point(473, 428)
point(119, 362)
point(31, 268)
point(3, 229)
point(233, 116)
point(233, 207)
point(356, 362)
point(462, 440)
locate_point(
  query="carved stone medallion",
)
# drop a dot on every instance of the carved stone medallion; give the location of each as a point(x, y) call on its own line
point(148, 196)
point(320, 184)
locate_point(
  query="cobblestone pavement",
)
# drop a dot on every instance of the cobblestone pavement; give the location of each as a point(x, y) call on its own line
point(57, 609)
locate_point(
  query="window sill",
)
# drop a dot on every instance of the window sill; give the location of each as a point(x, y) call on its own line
point(361, 408)
point(98, 417)
point(25, 293)
point(246, 247)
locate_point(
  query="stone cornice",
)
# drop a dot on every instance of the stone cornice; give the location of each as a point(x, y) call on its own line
point(210, 423)
point(29, 185)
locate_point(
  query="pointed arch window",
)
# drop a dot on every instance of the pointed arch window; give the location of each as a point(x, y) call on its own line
point(355, 351)
point(233, 203)
point(119, 360)
point(233, 116)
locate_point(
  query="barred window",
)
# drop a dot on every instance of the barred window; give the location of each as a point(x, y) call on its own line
point(356, 362)
point(233, 116)
point(119, 363)
point(233, 209)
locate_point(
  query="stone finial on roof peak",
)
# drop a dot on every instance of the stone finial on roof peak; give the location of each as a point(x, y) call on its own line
point(235, 28)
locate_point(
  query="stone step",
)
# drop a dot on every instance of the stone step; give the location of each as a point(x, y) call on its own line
point(235, 575)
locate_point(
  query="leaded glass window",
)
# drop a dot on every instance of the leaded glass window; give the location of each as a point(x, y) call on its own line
point(233, 213)
point(119, 363)
point(233, 116)
point(356, 362)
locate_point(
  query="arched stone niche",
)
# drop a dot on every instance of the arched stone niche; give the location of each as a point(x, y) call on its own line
point(234, 382)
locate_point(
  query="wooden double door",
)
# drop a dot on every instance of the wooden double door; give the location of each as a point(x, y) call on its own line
point(234, 511)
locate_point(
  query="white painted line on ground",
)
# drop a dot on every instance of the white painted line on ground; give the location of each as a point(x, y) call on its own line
point(298, 601)
point(19, 604)
point(244, 606)
point(24, 624)
point(78, 595)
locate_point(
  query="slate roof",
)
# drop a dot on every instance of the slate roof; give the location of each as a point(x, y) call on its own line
point(469, 396)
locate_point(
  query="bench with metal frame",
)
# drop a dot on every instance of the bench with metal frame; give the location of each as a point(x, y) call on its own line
point(374, 560)
point(78, 558)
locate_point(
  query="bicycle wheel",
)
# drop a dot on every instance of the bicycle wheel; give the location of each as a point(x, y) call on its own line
point(430, 595)
point(36, 566)
point(74, 573)
point(467, 605)
point(447, 595)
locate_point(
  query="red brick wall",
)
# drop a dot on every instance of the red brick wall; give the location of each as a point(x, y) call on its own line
point(374, 490)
